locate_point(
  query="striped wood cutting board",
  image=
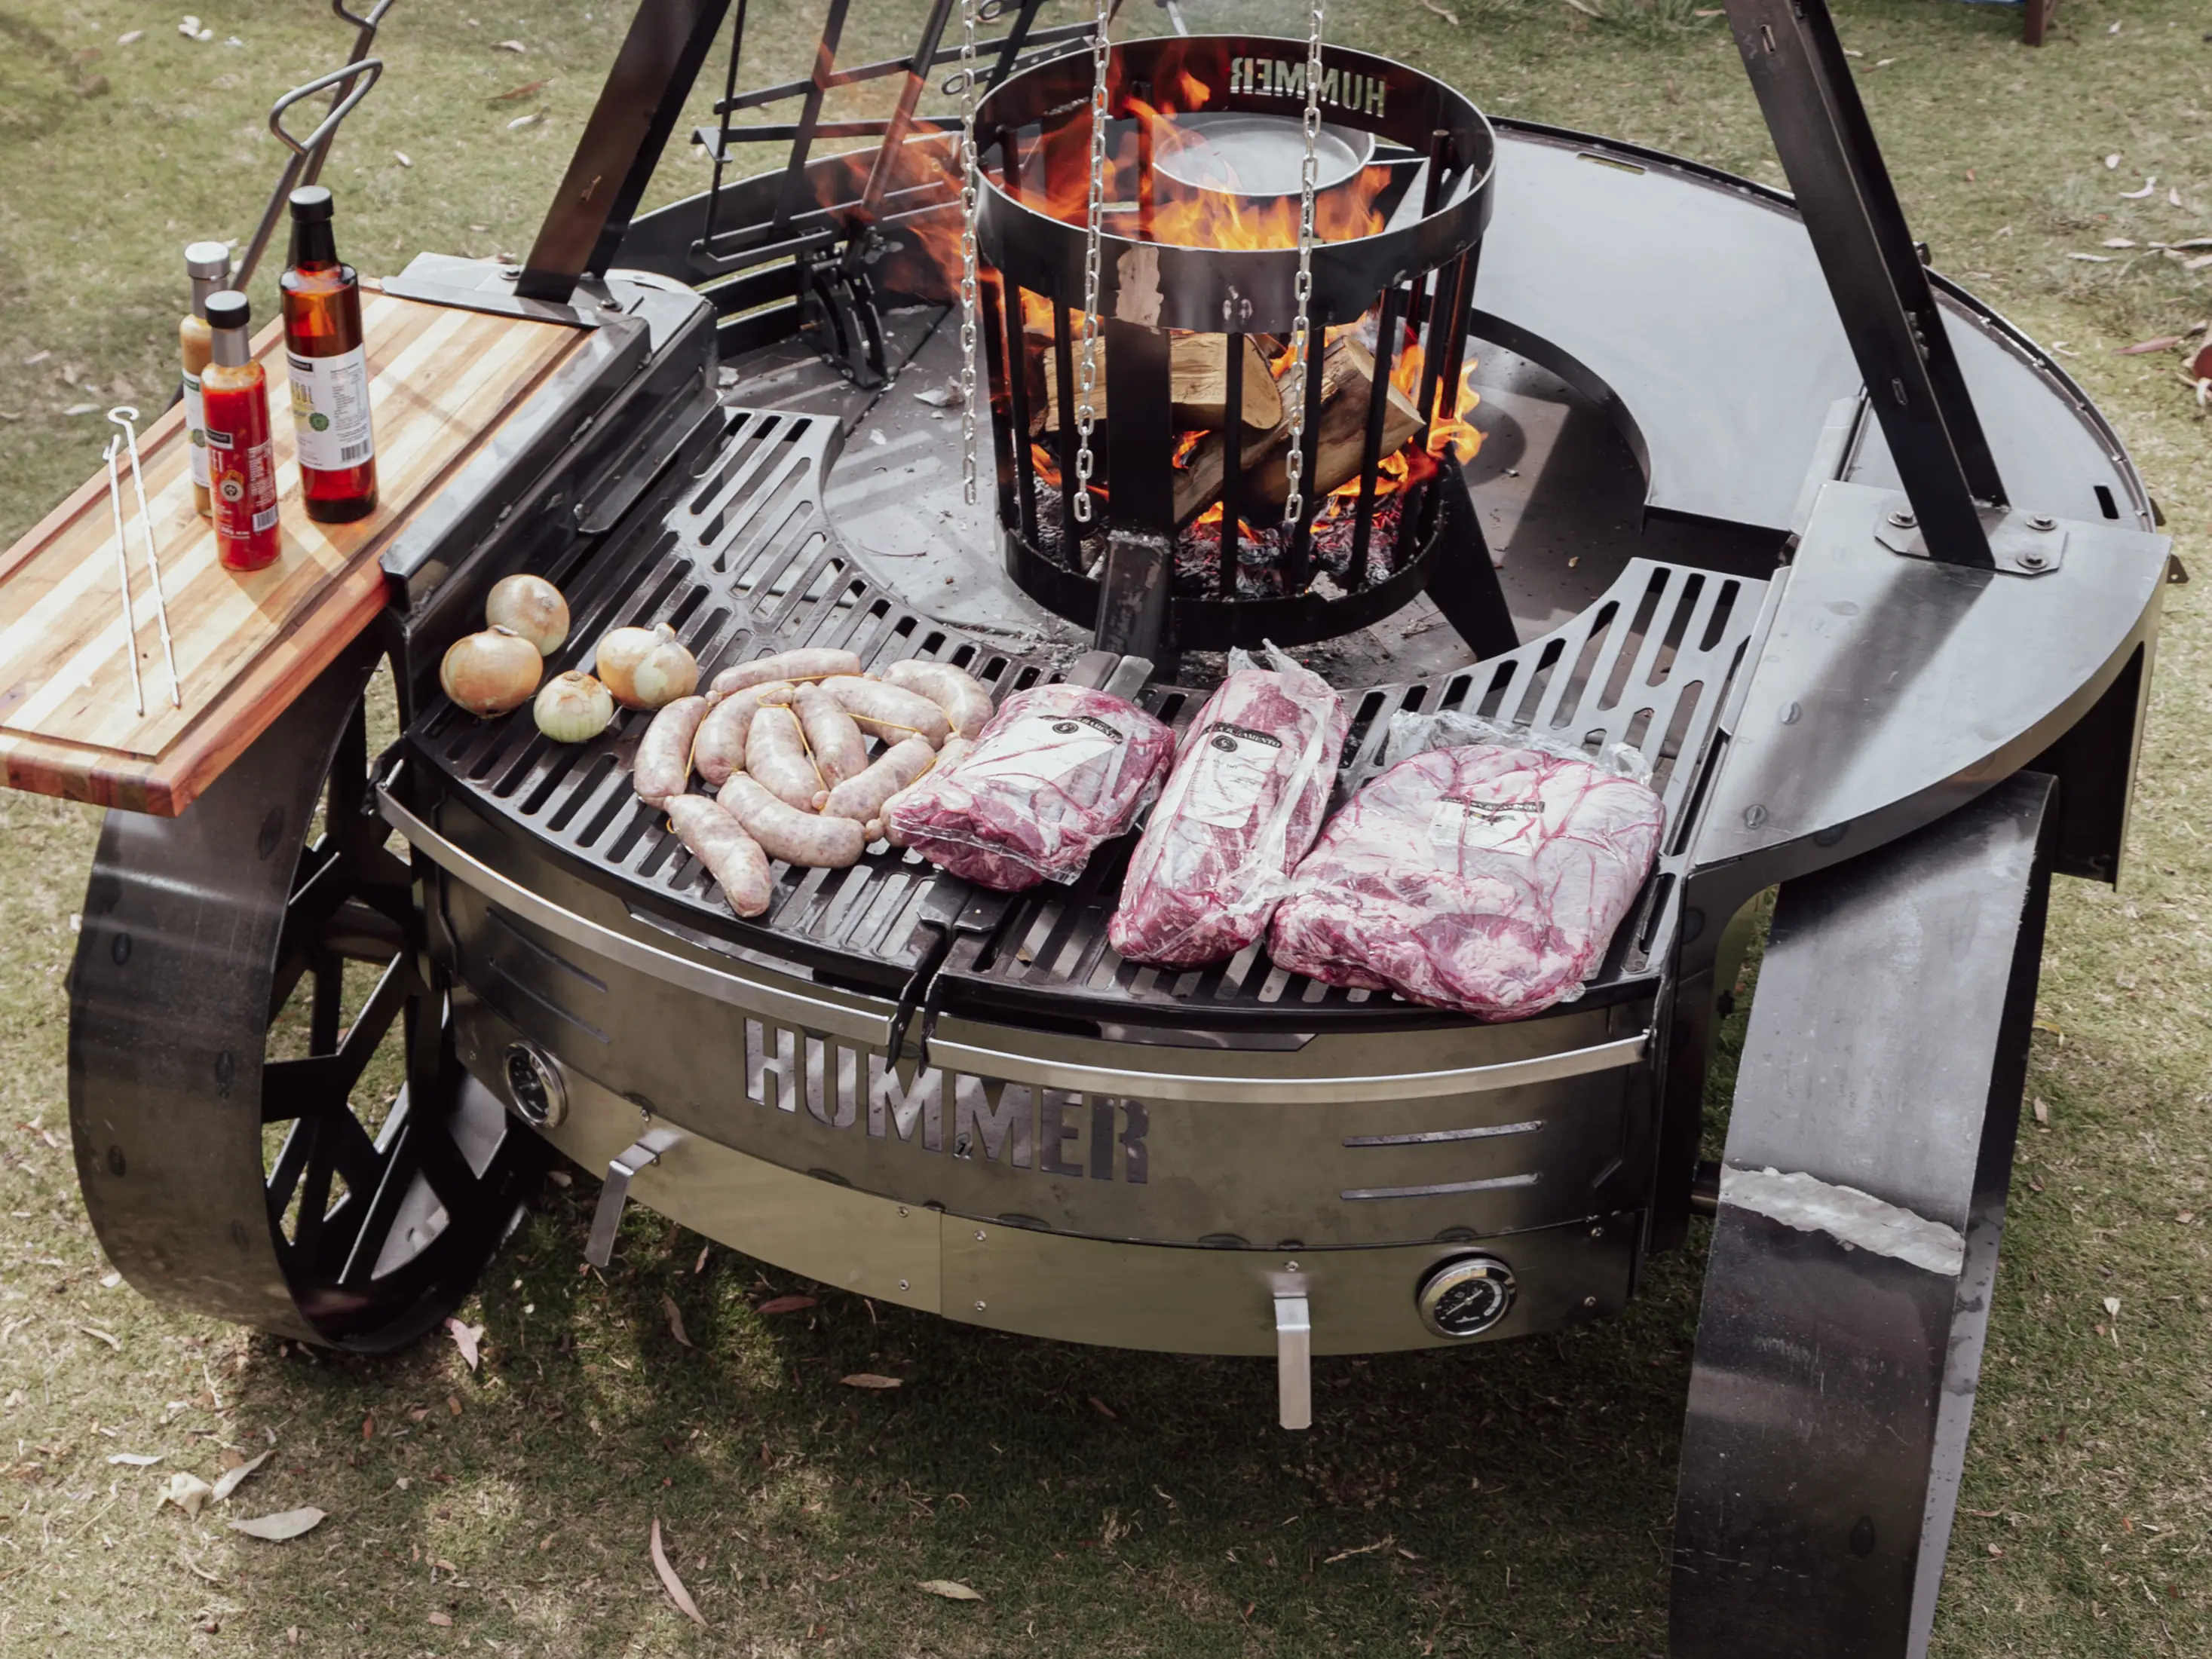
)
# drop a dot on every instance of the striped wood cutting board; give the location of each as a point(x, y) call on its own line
point(441, 380)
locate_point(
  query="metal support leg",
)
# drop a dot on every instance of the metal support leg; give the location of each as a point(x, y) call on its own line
point(1293, 1360)
point(606, 1220)
point(1862, 1199)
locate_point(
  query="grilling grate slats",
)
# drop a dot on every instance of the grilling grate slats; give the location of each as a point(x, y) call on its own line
point(745, 563)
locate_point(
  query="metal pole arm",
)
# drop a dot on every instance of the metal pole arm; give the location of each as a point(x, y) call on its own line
point(1851, 210)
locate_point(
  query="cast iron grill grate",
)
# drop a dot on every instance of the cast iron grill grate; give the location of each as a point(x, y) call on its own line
point(1649, 665)
point(744, 564)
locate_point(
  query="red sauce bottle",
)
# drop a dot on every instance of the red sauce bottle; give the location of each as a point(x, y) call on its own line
point(329, 369)
point(242, 457)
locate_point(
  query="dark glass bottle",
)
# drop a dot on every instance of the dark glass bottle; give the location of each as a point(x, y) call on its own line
point(329, 369)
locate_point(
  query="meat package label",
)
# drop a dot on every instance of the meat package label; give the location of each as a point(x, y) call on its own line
point(1044, 747)
point(1229, 771)
point(1518, 824)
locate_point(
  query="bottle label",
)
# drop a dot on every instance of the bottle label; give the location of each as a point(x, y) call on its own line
point(242, 466)
point(330, 410)
point(196, 430)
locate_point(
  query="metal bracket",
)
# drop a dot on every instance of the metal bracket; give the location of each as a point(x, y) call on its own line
point(1294, 1359)
point(600, 1250)
point(2022, 544)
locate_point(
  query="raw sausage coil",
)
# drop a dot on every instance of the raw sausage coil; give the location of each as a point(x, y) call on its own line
point(788, 833)
point(839, 750)
point(862, 799)
point(663, 767)
point(890, 712)
point(776, 757)
point(814, 663)
point(719, 747)
point(731, 857)
point(959, 694)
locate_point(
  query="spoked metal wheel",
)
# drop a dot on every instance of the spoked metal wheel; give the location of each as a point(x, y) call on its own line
point(270, 1122)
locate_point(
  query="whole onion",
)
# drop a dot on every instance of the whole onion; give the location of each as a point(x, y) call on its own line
point(490, 672)
point(645, 667)
point(573, 708)
point(531, 606)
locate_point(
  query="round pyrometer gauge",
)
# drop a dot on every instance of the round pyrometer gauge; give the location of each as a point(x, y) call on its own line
point(1466, 1296)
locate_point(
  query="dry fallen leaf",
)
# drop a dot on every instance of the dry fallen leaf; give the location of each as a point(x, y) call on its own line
point(950, 1590)
point(700, 1265)
point(784, 1305)
point(870, 1380)
point(453, 1405)
point(230, 1480)
point(441, 1618)
point(112, 1342)
point(2145, 348)
point(522, 91)
point(510, 46)
point(1105, 1410)
point(2042, 1113)
point(1451, 17)
point(2113, 1305)
point(187, 1491)
point(402, 157)
point(287, 1523)
point(135, 1460)
point(675, 1320)
point(465, 1338)
point(671, 1582)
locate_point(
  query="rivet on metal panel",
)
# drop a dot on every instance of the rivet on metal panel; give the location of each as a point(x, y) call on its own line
point(979, 1235)
point(979, 1307)
point(1597, 1232)
point(902, 1209)
point(1753, 815)
point(1589, 1302)
point(1792, 713)
point(2041, 521)
point(1290, 1267)
point(904, 1285)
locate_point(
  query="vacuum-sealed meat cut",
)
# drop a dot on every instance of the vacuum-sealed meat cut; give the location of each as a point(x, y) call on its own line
point(1243, 804)
point(1059, 770)
point(1482, 878)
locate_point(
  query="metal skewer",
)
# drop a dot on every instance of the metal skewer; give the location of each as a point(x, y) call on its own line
point(123, 568)
point(123, 415)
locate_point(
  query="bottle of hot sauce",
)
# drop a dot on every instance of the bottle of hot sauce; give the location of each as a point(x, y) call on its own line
point(242, 456)
point(208, 265)
point(329, 369)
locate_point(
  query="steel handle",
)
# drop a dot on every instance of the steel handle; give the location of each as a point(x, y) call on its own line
point(1285, 1090)
point(753, 996)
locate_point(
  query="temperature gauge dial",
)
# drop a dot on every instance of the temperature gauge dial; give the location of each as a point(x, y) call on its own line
point(1466, 1296)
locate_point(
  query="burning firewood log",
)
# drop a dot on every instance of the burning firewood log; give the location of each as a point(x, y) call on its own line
point(1347, 372)
point(1197, 383)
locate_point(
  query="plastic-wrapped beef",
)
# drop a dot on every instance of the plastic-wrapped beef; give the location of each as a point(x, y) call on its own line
point(1482, 878)
point(1243, 804)
point(1059, 770)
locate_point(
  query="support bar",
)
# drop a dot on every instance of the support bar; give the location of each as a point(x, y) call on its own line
point(606, 1220)
point(1294, 1360)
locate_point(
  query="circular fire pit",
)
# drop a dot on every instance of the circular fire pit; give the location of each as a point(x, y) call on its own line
point(1196, 302)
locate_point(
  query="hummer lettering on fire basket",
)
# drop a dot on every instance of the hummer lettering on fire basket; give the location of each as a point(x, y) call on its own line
point(1047, 1130)
point(1281, 77)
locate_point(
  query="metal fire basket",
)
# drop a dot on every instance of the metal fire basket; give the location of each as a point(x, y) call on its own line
point(1850, 560)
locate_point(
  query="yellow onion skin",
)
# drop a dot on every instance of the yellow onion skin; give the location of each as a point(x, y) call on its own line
point(573, 708)
point(624, 651)
point(667, 673)
point(491, 672)
point(531, 606)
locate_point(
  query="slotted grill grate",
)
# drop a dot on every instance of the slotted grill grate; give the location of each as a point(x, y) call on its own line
point(743, 565)
point(1649, 665)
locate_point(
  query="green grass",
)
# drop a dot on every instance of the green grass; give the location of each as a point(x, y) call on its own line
point(1103, 1503)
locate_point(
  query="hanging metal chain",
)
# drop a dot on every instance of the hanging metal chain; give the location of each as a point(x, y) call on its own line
point(1086, 415)
point(1301, 327)
point(968, 193)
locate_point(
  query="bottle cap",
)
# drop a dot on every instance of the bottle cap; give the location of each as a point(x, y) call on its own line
point(310, 205)
point(228, 309)
point(208, 261)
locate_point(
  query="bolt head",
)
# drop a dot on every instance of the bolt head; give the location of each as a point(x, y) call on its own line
point(2042, 521)
point(1903, 520)
point(1589, 1302)
point(2032, 561)
point(979, 1234)
point(979, 1307)
point(904, 1285)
